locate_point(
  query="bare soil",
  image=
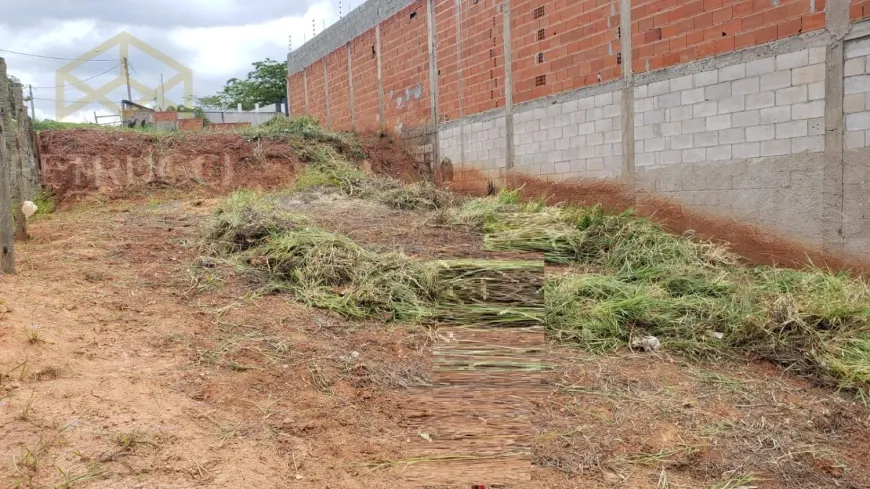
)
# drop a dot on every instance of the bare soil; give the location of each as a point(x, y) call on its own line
point(124, 365)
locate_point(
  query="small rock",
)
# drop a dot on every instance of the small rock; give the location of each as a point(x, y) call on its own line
point(4, 309)
point(647, 343)
point(717, 335)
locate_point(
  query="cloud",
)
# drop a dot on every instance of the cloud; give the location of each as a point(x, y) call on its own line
point(164, 14)
point(217, 39)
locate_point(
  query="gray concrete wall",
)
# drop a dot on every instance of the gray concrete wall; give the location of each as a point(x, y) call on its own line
point(856, 172)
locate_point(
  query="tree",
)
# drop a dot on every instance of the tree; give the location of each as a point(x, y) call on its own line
point(267, 84)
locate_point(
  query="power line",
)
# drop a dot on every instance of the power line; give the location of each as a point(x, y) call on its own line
point(81, 81)
point(55, 57)
point(142, 76)
point(64, 101)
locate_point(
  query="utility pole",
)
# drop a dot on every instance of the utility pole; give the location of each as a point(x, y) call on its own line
point(32, 107)
point(127, 74)
point(163, 93)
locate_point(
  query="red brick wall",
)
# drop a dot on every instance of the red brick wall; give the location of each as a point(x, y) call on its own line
point(316, 91)
point(339, 90)
point(190, 124)
point(405, 62)
point(859, 9)
point(669, 32)
point(165, 116)
point(448, 60)
point(365, 82)
point(579, 47)
point(297, 94)
point(482, 56)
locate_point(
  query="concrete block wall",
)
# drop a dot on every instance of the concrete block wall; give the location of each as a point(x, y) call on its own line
point(771, 106)
point(856, 173)
point(856, 101)
point(575, 138)
point(479, 144)
point(731, 107)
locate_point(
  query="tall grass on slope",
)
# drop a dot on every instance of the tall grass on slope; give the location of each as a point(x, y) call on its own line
point(304, 131)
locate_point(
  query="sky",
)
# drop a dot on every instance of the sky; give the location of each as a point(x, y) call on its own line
point(216, 39)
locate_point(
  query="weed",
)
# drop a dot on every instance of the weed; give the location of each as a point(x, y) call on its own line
point(734, 482)
point(25, 412)
point(33, 334)
point(92, 471)
point(46, 204)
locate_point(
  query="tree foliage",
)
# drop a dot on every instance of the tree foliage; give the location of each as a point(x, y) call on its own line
point(266, 84)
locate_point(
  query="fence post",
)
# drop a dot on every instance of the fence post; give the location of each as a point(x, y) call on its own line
point(17, 162)
point(7, 244)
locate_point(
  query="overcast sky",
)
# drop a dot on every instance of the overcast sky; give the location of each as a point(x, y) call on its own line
point(217, 39)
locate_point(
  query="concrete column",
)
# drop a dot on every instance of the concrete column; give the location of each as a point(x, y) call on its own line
point(628, 166)
point(289, 109)
point(837, 19)
point(458, 17)
point(326, 88)
point(380, 80)
point(350, 88)
point(7, 243)
point(305, 89)
point(508, 88)
point(433, 88)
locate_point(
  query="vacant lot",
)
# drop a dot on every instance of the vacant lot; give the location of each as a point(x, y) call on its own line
point(124, 365)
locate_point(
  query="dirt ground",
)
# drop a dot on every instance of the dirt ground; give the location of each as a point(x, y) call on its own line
point(125, 365)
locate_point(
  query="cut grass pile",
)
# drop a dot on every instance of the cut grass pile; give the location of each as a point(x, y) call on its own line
point(332, 272)
point(621, 277)
point(246, 219)
point(629, 278)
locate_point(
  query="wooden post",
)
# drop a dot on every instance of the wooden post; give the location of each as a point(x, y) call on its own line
point(18, 161)
point(7, 243)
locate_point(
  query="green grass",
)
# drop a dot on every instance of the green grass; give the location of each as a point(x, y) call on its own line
point(49, 125)
point(45, 202)
point(306, 132)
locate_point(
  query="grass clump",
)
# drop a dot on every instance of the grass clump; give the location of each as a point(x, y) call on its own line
point(305, 131)
point(45, 203)
point(247, 219)
point(476, 212)
point(627, 245)
point(603, 312)
point(332, 272)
